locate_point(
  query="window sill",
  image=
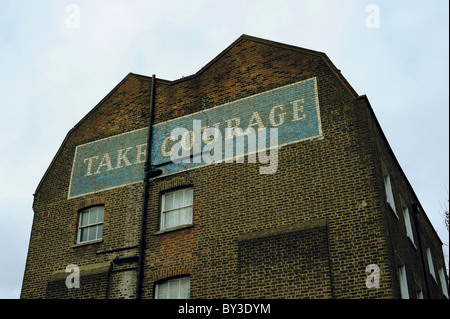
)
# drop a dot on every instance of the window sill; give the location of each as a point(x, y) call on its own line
point(171, 229)
point(85, 243)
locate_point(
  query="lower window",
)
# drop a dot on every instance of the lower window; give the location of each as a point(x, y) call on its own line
point(177, 288)
point(90, 226)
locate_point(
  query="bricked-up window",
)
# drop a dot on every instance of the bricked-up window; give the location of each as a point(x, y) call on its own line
point(430, 263)
point(177, 288)
point(90, 226)
point(176, 208)
point(404, 294)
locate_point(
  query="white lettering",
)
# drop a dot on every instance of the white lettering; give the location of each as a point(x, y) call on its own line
point(164, 150)
point(89, 167)
point(257, 118)
point(272, 116)
point(122, 156)
point(141, 151)
point(106, 161)
point(296, 109)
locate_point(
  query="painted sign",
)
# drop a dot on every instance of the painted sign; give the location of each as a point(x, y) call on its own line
point(119, 160)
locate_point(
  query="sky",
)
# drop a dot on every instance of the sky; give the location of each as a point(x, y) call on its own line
point(59, 58)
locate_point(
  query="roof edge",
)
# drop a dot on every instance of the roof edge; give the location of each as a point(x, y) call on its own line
point(396, 162)
point(143, 77)
point(284, 46)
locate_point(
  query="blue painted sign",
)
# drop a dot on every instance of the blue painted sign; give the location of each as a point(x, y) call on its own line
point(292, 110)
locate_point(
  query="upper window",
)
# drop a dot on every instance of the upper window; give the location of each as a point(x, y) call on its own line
point(430, 263)
point(389, 194)
point(408, 224)
point(90, 226)
point(177, 288)
point(176, 208)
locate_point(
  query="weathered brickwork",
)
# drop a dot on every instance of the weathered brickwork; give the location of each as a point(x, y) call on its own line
point(307, 231)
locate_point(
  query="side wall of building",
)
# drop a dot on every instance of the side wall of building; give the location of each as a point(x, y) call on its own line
point(408, 250)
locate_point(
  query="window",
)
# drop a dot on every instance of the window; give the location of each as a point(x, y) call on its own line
point(404, 294)
point(443, 282)
point(419, 294)
point(408, 225)
point(177, 288)
point(176, 208)
point(90, 226)
point(430, 263)
point(389, 194)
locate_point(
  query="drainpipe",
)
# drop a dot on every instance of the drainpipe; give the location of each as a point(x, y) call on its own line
point(147, 171)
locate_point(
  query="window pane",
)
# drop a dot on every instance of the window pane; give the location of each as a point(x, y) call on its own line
point(178, 199)
point(188, 198)
point(99, 231)
point(93, 215)
point(172, 219)
point(184, 288)
point(168, 201)
point(173, 289)
point(186, 215)
point(84, 234)
point(100, 214)
point(84, 218)
point(162, 290)
point(92, 232)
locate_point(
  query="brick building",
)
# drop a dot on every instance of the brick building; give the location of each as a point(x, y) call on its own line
point(333, 215)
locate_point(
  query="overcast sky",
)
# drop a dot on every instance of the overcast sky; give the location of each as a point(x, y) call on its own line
point(55, 68)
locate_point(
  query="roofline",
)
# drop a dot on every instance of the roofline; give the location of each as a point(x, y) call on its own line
point(85, 118)
point(322, 55)
point(284, 46)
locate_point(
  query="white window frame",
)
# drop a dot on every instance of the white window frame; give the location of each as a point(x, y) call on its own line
point(408, 224)
point(419, 294)
point(174, 209)
point(430, 263)
point(94, 225)
point(174, 287)
point(443, 282)
point(389, 194)
point(403, 281)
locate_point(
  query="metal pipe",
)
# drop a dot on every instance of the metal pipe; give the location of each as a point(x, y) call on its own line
point(147, 170)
